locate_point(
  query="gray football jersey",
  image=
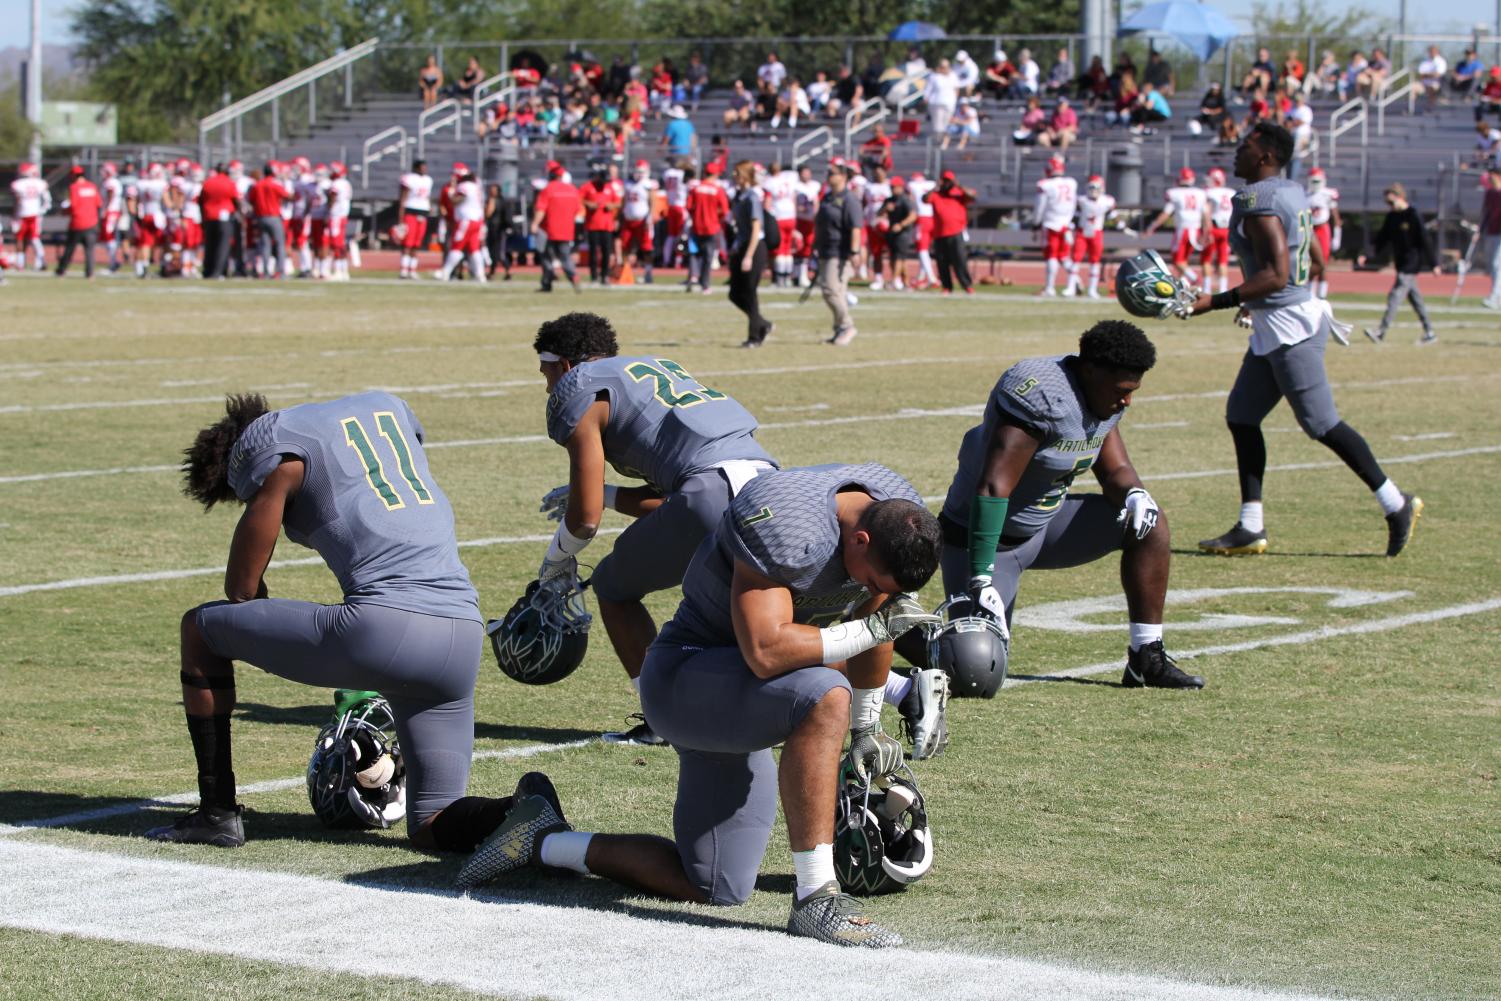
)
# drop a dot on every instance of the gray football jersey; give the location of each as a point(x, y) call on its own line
point(784, 525)
point(1043, 396)
point(368, 505)
point(1275, 196)
point(664, 425)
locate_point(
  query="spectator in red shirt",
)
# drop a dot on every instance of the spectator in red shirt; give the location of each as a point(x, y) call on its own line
point(554, 219)
point(950, 203)
point(83, 206)
point(266, 196)
point(707, 206)
point(876, 151)
point(1489, 98)
point(219, 199)
point(601, 201)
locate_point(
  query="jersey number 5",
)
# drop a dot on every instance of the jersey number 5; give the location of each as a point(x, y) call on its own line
point(665, 376)
point(375, 470)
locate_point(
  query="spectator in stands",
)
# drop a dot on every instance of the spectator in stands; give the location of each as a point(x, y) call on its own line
point(770, 75)
point(463, 88)
point(1125, 98)
point(1031, 75)
point(620, 74)
point(819, 92)
point(1325, 78)
point(1062, 128)
point(1229, 133)
point(1094, 84)
point(738, 109)
point(1060, 75)
point(792, 103)
point(1149, 108)
point(747, 254)
point(942, 96)
point(1350, 81)
point(695, 78)
point(965, 124)
point(679, 134)
point(1293, 72)
point(1260, 109)
point(951, 203)
point(660, 89)
point(837, 231)
point(1261, 76)
point(1431, 74)
point(1301, 112)
point(1211, 110)
point(430, 81)
point(1487, 146)
point(870, 77)
point(1467, 74)
point(876, 151)
point(999, 75)
point(846, 92)
point(1374, 77)
point(1490, 234)
point(915, 68)
point(1033, 121)
point(967, 72)
point(1159, 73)
point(1123, 64)
point(1489, 98)
point(1402, 232)
point(1302, 132)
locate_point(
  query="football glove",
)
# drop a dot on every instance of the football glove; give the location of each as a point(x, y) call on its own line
point(987, 602)
point(873, 754)
point(555, 502)
point(1243, 318)
point(565, 568)
point(1335, 239)
point(1139, 514)
point(382, 808)
point(897, 617)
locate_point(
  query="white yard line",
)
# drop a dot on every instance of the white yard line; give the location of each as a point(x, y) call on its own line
point(1289, 467)
point(508, 947)
point(270, 785)
point(1381, 625)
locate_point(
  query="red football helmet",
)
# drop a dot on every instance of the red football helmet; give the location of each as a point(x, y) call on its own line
point(30, 170)
point(337, 169)
point(302, 163)
point(1217, 177)
point(109, 168)
point(1056, 166)
point(1095, 185)
point(1186, 175)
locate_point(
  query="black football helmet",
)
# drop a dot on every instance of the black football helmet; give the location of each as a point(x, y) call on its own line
point(356, 776)
point(970, 648)
point(882, 843)
point(544, 636)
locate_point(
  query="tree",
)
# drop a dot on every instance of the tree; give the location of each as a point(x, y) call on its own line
point(1301, 18)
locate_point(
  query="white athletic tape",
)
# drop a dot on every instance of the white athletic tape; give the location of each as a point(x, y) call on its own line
point(550, 950)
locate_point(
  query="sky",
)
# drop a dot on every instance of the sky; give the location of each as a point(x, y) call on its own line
point(1457, 16)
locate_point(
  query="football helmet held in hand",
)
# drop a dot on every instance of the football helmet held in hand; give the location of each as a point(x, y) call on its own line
point(970, 648)
point(544, 637)
point(882, 843)
point(1145, 287)
point(356, 776)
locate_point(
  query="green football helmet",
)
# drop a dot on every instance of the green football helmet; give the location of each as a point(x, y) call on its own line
point(357, 776)
point(882, 842)
point(1145, 286)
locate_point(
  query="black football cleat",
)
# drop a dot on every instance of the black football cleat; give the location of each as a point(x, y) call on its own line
point(1151, 667)
point(206, 825)
point(538, 784)
point(1239, 541)
point(1401, 524)
point(641, 734)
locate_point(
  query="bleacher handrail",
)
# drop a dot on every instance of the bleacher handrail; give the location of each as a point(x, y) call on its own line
point(862, 125)
point(1390, 93)
point(484, 96)
point(821, 140)
point(1355, 112)
point(426, 126)
point(852, 116)
point(232, 113)
point(370, 155)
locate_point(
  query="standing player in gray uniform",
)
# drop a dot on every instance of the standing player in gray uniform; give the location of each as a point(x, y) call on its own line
point(694, 447)
point(349, 479)
point(1271, 231)
point(783, 637)
point(1048, 421)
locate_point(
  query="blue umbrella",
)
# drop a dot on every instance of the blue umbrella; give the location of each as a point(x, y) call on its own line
point(916, 31)
point(1201, 28)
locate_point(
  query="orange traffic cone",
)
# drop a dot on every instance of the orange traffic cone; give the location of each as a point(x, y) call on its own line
point(624, 275)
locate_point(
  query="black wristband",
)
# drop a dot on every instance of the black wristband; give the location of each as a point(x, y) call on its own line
point(1225, 300)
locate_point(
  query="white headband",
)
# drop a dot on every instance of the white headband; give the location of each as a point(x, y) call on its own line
point(548, 357)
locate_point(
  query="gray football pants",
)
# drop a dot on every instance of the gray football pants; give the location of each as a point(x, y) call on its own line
point(1405, 287)
point(723, 721)
point(1084, 530)
point(653, 553)
point(424, 665)
point(1294, 371)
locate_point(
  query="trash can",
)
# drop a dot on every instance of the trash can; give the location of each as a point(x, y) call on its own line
point(1124, 176)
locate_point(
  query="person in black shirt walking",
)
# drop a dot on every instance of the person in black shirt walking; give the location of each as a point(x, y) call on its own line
point(1402, 232)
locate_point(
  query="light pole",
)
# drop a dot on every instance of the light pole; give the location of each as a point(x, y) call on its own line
point(34, 82)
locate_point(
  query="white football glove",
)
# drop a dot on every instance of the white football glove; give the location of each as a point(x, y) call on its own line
point(1139, 514)
point(1243, 318)
point(987, 601)
point(1334, 239)
point(898, 616)
point(555, 502)
point(562, 569)
point(873, 753)
point(381, 810)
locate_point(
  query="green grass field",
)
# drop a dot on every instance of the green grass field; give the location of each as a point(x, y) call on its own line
point(1325, 816)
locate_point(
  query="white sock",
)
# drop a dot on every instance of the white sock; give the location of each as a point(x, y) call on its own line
point(1145, 634)
point(568, 849)
point(1250, 516)
point(636, 684)
point(1389, 497)
point(1052, 278)
point(1094, 278)
point(454, 257)
point(897, 687)
point(814, 868)
point(477, 266)
point(1224, 283)
point(925, 259)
